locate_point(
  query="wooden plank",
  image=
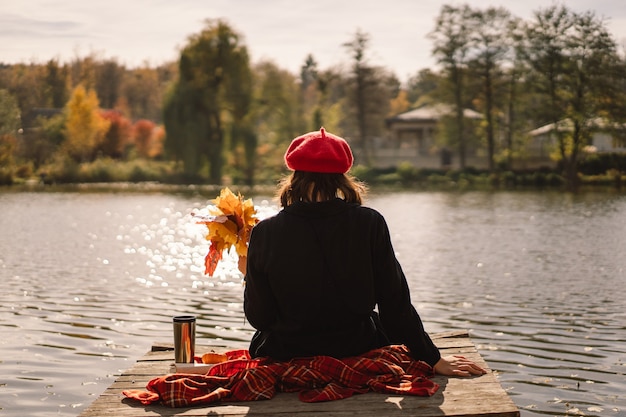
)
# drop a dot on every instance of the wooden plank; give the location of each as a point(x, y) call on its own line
point(458, 397)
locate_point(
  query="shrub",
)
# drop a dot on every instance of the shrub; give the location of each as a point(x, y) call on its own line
point(62, 170)
point(509, 179)
point(147, 171)
point(438, 179)
point(391, 178)
point(407, 172)
point(97, 171)
point(6, 176)
point(554, 180)
point(363, 173)
point(599, 163)
point(24, 171)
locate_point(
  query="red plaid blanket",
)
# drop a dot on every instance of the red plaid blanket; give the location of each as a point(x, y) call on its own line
point(318, 378)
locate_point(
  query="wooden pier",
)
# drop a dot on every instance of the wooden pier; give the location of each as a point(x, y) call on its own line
point(476, 396)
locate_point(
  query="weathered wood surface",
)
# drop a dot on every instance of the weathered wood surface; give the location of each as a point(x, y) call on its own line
point(476, 396)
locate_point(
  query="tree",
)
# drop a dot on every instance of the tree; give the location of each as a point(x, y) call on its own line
point(158, 137)
point(451, 38)
point(519, 101)
point(9, 114)
point(312, 97)
point(9, 125)
point(42, 141)
point(57, 83)
point(490, 46)
point(8, 146)
point(360, 72)
point(108, 82)
point(83, 71)
point(25, 83)
point(213, 90)
point(142, 93)
point(370, 90)
point(422, 87)
point(308, 72)
point(144, 137)
point(572, 57)
point(616, 102)
point(322, 94)
point(117, 136)
point(276, 117)
point(400, 104)
point(85, 128)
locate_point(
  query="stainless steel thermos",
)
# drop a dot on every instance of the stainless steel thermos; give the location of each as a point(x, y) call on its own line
point(184, 338)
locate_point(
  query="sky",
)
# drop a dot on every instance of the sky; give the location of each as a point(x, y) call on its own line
point(140, 32)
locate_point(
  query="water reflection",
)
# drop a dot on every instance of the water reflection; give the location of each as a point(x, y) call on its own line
point(90, 281)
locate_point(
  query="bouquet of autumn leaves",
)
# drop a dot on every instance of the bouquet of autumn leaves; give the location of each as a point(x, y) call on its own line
point(230, 222)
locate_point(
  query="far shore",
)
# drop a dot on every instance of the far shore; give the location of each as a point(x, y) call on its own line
point(268, 190)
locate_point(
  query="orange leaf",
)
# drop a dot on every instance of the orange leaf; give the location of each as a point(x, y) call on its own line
point(241, 264)
point(212, 258)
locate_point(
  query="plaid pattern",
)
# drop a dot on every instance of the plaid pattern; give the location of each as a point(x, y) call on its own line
point(319, 378)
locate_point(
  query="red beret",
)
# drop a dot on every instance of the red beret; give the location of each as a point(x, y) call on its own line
point(319, 152)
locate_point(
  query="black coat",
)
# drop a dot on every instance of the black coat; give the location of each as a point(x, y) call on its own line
point(316, 272)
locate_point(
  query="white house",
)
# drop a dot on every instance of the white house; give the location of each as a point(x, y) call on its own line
point(411, 138)
point(543, 141)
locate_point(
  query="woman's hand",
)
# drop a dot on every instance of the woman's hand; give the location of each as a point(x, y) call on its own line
point(457, 366)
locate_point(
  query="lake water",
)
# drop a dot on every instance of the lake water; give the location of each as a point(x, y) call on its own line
point(88, 281)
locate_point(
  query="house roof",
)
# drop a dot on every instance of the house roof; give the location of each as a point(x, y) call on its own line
point(432, 112)
point(566, 125)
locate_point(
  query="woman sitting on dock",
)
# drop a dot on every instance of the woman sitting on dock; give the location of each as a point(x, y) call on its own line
point(322, 277)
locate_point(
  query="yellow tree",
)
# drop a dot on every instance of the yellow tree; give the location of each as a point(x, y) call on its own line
point(85, 128)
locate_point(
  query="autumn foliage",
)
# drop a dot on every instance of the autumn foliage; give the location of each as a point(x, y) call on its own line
point(148, 138)
point(230, 223)
point(85, 128)
point(118, 135)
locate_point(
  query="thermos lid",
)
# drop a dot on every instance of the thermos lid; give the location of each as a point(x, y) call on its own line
point(184, 319)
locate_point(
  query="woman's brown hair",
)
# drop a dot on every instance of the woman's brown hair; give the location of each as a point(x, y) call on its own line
point(310, 187)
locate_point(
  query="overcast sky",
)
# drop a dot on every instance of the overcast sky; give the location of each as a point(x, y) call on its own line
point(285, 31)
